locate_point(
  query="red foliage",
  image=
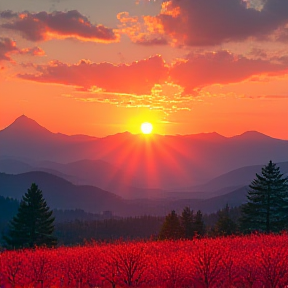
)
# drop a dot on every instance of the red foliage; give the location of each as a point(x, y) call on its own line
point(252, 261)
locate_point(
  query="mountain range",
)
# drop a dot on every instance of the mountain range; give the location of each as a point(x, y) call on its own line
point(153, 161)
point(134, 174)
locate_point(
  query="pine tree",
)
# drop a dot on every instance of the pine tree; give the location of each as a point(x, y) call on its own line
point(171, 228)
point(187, 223)
point(267, 206)
point(225, 225)
point(33, 224)
point(199, 226)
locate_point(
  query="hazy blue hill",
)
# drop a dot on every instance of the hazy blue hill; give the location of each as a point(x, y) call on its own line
point(233, 199)
point(13, 166)
point(83, 172)
point(58, 192)
point(229, 181)
point(62, 194)
point(93, 172)
point(241, 176)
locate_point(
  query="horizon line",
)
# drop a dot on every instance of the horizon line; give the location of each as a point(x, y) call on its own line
point(143, 135)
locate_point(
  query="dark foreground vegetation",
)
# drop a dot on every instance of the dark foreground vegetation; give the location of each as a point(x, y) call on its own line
point(244, 261)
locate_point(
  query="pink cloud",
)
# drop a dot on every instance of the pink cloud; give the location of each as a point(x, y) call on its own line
point(200, 70)
point(35, 51)
point(43, 26)
point(136, 78)
point(192, 73)
point(7, 46)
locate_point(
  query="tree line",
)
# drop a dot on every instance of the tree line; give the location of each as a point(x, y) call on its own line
point(266, 211)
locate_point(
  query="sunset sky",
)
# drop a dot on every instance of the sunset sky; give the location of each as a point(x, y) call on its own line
point(101, 67)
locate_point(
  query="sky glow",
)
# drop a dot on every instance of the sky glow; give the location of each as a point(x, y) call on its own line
point(104, 67)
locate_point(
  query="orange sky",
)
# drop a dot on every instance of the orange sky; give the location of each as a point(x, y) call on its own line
point(104, 67)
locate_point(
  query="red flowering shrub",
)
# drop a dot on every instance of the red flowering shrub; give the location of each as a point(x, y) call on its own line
point(255, 261)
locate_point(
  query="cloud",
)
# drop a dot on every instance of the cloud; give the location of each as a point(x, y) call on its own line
point(8, 14)
point(34, 51)
point(269, 97)
point(44, 26)
point(196, 71)
point(7, 46)
point(222, 67)
point(165, 97)
point(153, 83)
point(144, 30)
point(282, 34)
point(212, 22)
point(150, 41)
point(136, 78)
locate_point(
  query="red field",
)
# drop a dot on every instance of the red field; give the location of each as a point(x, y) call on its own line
point(254, 261)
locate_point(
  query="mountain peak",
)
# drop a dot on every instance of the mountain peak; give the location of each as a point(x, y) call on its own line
point(24, 124)
point(252, 135)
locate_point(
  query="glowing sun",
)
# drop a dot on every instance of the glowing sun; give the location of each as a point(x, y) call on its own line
point(146, 128)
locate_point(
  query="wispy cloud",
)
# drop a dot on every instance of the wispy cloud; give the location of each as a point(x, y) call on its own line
point(165, 97)
point(270, 97)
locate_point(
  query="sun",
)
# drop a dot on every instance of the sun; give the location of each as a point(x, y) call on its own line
point(146, 128)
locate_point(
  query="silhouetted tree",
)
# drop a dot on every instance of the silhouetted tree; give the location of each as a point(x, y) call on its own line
point(187, 223)
point(225, 225)
point(33, 224)
point(267, 206)
point(199, 226)
point(171, 228)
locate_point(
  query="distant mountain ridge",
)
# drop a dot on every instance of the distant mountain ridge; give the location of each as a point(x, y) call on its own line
point(129, 162)
point(61, 194)
point(58, 192)
point(86, 173)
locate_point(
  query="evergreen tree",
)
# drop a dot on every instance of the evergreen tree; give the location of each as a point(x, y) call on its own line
point(33, 224)
point(225, 225)
point(187, 223)
point(267, 206)
point(199, 226)
point(171, 228)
